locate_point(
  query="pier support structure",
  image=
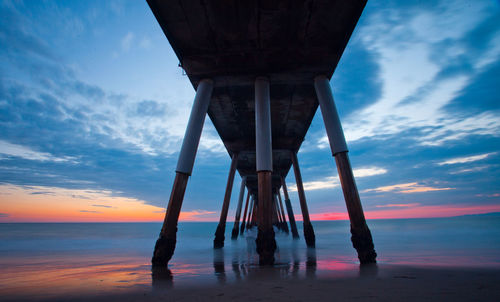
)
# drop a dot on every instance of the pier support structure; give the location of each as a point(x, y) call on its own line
point(285, 225)
point(236, 226)
point(221, 227)
point(361, 237)
point(250, 212)
point(243, 221)
point(165, 245)
point(289, 209)
point(308, 228)
point(266, 243)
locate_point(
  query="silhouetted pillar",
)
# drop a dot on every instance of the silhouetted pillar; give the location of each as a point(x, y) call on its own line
point(266, 244)
point(361, 236)
point(308, 229)
point(236, 226)
point(221, 228)
point(289, 210)
point(243, 221)
point(285, 225)
point(165, 245)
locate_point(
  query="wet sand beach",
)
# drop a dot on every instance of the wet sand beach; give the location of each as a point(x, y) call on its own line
point(374, 283)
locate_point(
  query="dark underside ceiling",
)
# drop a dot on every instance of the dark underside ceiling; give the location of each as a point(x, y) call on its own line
point(233, 42)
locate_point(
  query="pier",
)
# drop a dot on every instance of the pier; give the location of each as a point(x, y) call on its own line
point(260, 70)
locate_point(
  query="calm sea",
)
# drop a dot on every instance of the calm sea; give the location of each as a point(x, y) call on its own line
point(57, 258)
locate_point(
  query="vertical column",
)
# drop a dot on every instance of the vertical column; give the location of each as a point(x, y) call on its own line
point(279, 221)
point(361, 236)
point(308, 229)
point(221, 228)
point(236, 227)
point(289, 210)
point(243, 221)
point(285, 225)
point(266, 244)
point(250, 212)
point(165, 245)
point(253, 222)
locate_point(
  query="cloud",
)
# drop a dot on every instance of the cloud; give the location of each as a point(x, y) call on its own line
point(398, 205)
point(3, 215)
point(417, 51)
point(468, 170)
point(9, 149)
point(102, 206)
point(145, 43)
point(89, 211)
point(196, 215)
point(488, 195)
point(127, 41)
point(407, 188)
point(333, 181)
point(365, 172)
point(466, 159)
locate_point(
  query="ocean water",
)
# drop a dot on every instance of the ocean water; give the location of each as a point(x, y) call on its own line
point(47, 259)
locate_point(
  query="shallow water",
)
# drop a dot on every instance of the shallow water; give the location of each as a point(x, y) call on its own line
point(47, 259)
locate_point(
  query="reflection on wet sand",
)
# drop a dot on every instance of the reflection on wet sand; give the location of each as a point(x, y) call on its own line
point(295, 262)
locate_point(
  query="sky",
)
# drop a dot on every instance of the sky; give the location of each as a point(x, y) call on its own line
point(93, 109)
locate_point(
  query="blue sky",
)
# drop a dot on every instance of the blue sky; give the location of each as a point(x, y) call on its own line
point(94, 107)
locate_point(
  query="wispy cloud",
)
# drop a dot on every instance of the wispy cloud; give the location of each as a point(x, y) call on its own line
point(90, 211)
point(470, 170)
point(466, 159)
point(333, 181)
point(127, 41)
point(412, 187)
point(3, 215)
point(197, 215)
point(10, 149)
point(418, 81)
point(102, 206)
point(372, 171)
point(398, 205)
point(145, 43)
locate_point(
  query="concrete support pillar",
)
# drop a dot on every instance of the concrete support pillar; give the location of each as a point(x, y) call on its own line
point(266, 244)
point(278, 221)
point(361, 236)
point(282, 210)
point(221, 228)
point(165, 245)
point(250, 212)
point(289, 210)
point(243, 221)
point(308, 229)
point(236, 227)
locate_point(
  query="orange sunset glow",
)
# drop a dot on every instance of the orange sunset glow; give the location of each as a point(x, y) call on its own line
point(52, 204)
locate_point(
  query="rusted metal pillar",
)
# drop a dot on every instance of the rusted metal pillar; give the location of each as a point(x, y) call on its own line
point(308, 229)
point(266, 244)
point(289, 210)
point(221, 228)
point(285, 225)
point(361, 236)
point(236, 226)
point(165, 245)
point(243, 221)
